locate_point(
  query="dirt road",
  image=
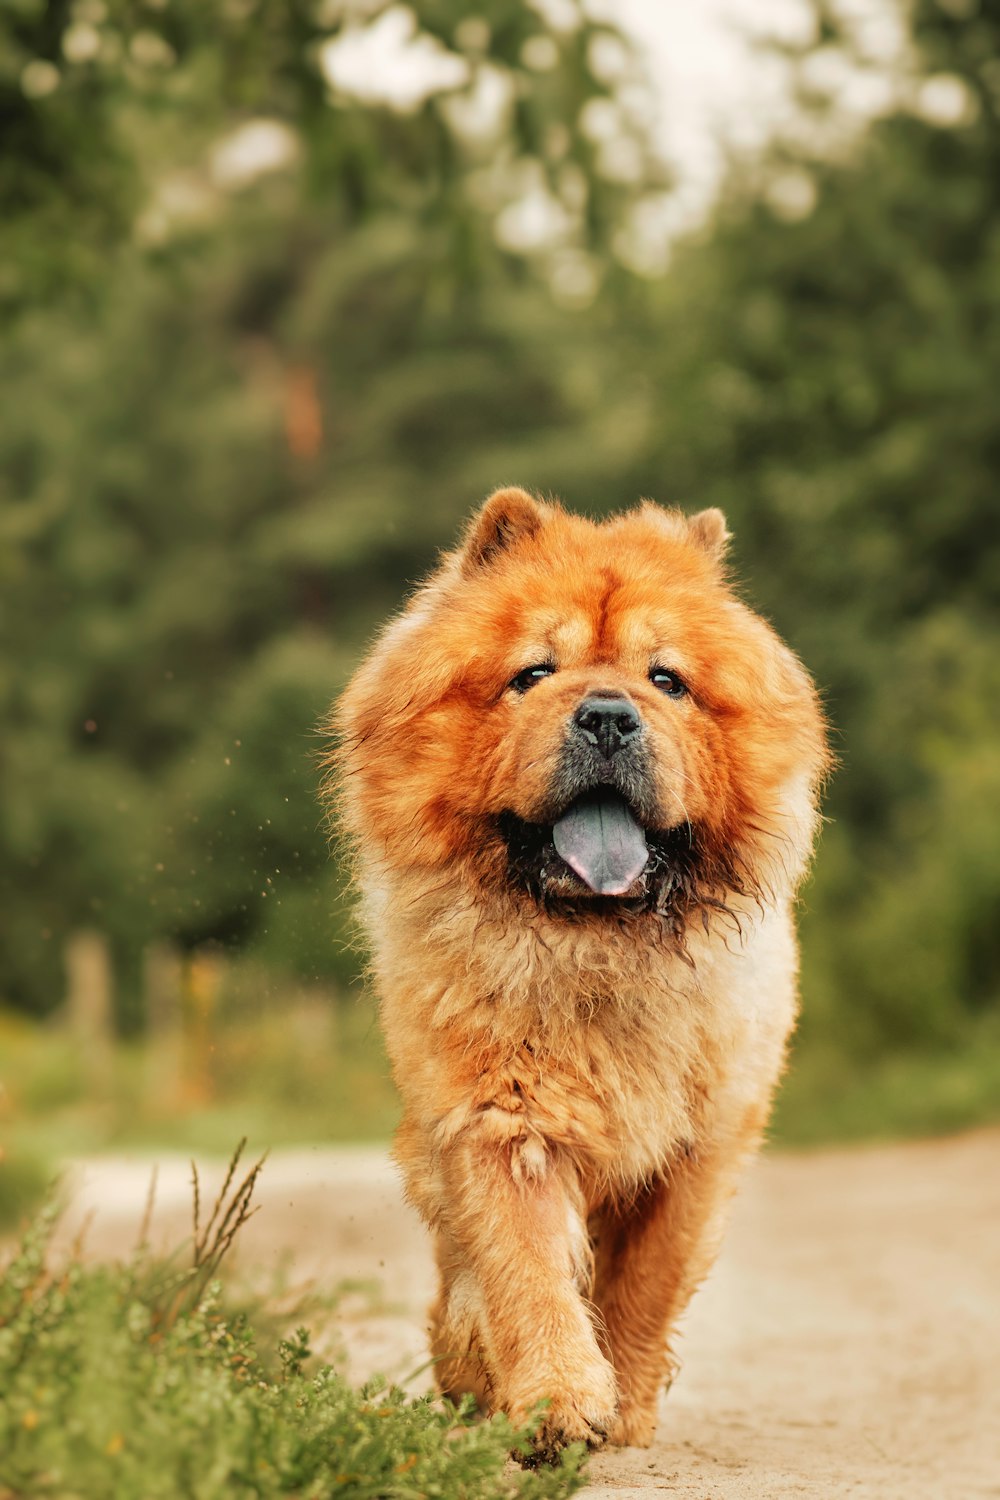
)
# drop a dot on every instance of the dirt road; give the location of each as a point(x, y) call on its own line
point(847, 1344)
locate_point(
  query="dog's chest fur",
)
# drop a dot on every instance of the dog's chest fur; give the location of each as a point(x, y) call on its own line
point(587, 1043)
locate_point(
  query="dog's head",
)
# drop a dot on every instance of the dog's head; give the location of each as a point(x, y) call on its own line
point(586, 715)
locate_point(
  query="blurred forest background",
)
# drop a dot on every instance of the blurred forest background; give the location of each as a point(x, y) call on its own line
point(274, 322)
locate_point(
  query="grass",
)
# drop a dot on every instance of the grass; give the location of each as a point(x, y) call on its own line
point(828, 1097)
point(284, 1078)
point(136, 1381)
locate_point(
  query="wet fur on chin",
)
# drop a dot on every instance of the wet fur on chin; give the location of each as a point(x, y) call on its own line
point(582, 1076)
point(682, 882)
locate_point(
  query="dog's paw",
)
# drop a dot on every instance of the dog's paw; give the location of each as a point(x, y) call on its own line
point(566, 1423)
point(633, 1427)
point(584, 1414)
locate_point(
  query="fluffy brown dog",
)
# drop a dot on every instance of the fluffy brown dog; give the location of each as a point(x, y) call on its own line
point(581, 780)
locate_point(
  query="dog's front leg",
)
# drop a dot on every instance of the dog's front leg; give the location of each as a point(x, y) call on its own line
point(518, 1266)
point(653, 1250)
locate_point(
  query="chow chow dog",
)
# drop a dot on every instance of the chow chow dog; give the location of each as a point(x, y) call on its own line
point(580, 778)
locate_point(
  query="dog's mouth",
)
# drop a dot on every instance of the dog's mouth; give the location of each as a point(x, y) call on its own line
point(600, 855)
point(601, 841)
point(596, 850)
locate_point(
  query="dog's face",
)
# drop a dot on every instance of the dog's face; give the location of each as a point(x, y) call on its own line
point(586, 715)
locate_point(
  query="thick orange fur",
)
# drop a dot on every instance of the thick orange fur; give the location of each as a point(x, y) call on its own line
point(581, 1080)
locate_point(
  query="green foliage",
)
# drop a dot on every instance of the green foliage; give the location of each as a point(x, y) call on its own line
point(103, 104)
point(281, 1065)
point(892, 1095)
point(135, 1381)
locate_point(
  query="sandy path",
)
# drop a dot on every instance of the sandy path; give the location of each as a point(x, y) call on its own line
point(847, 1344)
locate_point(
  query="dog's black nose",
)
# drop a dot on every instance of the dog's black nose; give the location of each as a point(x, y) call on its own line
point(607, 722)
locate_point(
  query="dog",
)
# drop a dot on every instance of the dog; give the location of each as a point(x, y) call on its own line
point(580, 778)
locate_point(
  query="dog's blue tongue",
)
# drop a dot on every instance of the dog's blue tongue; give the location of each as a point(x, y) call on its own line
point(601, 841)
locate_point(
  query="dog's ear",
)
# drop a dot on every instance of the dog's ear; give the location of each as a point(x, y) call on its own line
point(708, 531)
point(508, 516)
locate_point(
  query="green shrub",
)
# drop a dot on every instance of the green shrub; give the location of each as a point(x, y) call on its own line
point(133, 1380)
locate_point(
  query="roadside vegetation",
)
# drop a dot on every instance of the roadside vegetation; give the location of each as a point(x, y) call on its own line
point(144, 1380)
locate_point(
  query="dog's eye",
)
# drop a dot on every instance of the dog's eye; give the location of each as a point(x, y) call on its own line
point(668, 682)
point(530, 675)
